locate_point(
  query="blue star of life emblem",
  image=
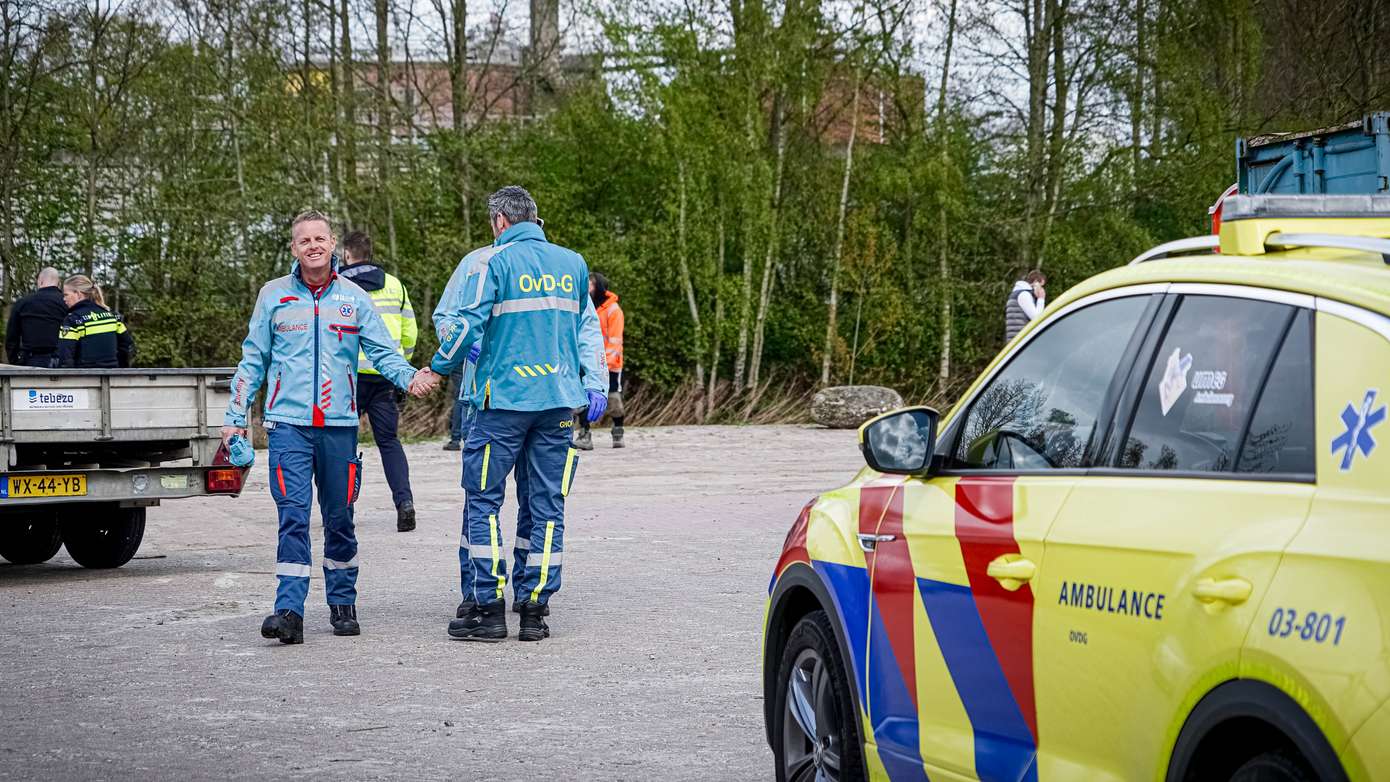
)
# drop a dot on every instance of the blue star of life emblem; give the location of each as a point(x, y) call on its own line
point(1359, 423)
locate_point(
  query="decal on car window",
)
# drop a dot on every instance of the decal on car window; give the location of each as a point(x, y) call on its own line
point(1209, 385)
point(1174, 380)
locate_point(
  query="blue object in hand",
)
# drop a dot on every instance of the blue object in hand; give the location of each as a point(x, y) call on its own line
point(475, 351)
point(598, 403)
point(239, 451)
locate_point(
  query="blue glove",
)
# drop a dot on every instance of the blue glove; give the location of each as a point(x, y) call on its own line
point(598, 403)
point(239, 451)
point(475, 351)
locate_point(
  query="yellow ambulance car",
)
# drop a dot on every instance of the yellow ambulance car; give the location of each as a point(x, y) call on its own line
point(1151, 542)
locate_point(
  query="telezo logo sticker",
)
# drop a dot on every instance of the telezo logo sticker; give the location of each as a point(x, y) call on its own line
point(57, 399)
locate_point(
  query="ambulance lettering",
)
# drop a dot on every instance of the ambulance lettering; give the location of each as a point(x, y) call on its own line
point(1112, 600)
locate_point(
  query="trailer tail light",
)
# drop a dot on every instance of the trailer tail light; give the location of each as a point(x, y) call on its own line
point(1215, 211)
point(224, 480)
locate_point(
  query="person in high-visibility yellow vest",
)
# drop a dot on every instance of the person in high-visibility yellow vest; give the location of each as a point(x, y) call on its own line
point(376, 397)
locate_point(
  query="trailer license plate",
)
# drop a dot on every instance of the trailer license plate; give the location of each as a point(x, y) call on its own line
point(18, 486)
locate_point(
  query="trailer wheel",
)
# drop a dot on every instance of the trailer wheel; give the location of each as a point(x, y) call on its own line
point(108, 540)
point(31, 538)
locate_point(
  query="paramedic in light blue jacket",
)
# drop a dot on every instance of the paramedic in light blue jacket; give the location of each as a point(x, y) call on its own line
point(302, 344)
point(592, 370)
point(524, 307)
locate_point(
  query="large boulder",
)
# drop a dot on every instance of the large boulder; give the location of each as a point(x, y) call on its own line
point(846, 407)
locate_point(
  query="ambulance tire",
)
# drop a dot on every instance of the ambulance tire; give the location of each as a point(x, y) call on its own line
point(103, 538)
point(1247, 730)
point(29, 538)
point(1275, 766)
point(811, 653)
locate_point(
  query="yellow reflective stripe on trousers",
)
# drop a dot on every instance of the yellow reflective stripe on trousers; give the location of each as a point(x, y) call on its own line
point(545, 559)
point(492, 536)
point(487, 454)
point(569, 473)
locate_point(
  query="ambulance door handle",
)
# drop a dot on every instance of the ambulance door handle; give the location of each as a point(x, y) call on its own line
point(869, 542)
point(1012, 570)
point(1232, 591)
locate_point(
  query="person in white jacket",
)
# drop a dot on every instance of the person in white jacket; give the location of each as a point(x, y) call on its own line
point(1026, 303)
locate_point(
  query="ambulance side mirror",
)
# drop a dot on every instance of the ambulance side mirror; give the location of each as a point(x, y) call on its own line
point(901, 442)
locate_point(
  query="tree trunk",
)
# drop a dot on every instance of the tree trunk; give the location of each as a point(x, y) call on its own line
point(688, 284)
point(746, 233)
point(718, 319)
point(1035, 31)
point(947, 293)
point(832, 309)
point(7, 253)
point(1057, 25)
point(1155, 79)
point(306, 64)
point(383, 125)
point(770, 262)
point(90, 216)
point(1136, 101)
point(458, 96)
point(94, 141)
point(349, 105)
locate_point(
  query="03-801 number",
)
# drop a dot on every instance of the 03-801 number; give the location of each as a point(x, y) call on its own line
point(1314, 626)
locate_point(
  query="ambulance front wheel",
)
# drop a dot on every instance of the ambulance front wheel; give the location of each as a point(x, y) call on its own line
point(816, 736)
point(30, 537)
point(103, 536)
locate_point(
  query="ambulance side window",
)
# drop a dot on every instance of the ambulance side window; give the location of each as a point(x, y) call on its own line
point(1039, 412)
point(1280, 439)
point(1202, 383)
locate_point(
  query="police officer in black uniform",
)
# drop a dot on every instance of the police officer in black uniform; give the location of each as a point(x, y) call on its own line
point(92, 336)
point(31, 337)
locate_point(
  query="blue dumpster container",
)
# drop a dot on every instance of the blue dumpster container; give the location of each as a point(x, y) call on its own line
point(1351, 159)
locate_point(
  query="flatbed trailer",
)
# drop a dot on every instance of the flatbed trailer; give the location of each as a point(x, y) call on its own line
point(84, 452)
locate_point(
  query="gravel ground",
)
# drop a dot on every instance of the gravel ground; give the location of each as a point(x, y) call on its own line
point(157, 670)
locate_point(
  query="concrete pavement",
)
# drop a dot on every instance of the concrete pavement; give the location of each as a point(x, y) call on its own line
point(157, 670)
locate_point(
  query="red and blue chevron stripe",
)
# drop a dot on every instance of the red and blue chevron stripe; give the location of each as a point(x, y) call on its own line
point(984, 632)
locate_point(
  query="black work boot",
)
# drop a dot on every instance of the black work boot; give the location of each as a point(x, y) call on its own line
point(533, 626)
point(464, 608)
point(452, 445)
point(344, 620)
point(285, 625)
point(482, 623)
point(405, 517)
point(617, 437)
point(518, 602)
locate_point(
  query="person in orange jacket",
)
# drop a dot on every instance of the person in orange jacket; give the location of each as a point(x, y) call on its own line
point(610, 320)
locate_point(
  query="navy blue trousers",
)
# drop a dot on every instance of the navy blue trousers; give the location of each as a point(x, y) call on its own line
point(300, 457)
point(521, 544)
point(498, 442)
point(376, 399)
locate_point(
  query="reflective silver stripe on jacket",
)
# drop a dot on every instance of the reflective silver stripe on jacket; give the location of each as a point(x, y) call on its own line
point(536, 304)
point(480, 268)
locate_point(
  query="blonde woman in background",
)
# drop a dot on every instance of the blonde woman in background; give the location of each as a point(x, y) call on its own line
point(91, 337)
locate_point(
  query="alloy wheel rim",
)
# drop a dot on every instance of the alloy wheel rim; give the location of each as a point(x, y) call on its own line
point(812, 736)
